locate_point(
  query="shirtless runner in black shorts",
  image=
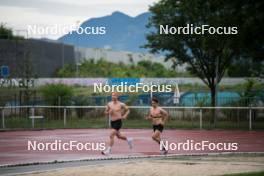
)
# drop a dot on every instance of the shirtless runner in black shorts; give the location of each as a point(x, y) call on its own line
point(158, 117)
point(117, 111)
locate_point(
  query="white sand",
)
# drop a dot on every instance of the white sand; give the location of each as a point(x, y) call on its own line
point(200, 167)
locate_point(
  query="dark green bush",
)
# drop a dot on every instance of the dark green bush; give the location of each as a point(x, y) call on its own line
point(57, 94)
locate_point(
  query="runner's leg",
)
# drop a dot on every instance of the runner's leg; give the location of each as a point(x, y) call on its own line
point(112, 137)
point(122, 137)
point(156, 136)
point(111, 142)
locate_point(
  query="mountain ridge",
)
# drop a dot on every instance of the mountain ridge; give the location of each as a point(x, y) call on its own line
point(123, 33)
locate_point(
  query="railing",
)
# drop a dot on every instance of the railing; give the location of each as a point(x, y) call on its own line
point(53, 117)
point(139, 100)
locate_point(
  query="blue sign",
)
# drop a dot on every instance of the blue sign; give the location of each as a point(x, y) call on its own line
point(4, 71)
point(127, 81)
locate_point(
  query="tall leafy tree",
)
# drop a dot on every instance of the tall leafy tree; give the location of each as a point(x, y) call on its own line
point(7, 33)
point(208, 56)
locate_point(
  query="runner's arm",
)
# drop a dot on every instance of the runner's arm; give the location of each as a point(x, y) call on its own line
point(165, 115)
point(107, 110)
point(127, 111)
point(149, 116)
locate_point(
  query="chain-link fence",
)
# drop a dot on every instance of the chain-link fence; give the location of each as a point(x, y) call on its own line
point(165, 99)
point(55, 117)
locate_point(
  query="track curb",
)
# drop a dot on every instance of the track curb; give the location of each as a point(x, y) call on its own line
point(125, 158)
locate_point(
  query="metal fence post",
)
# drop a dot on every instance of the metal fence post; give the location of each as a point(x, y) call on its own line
point(3, 118)
point(201, 119)
point(33, 118)
point(108, 121)
point(250, 119)
point(64, 117)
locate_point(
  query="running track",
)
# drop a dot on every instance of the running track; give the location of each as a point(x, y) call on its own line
point(13, 144)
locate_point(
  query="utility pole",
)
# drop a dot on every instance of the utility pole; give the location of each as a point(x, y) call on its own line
point(216, 88)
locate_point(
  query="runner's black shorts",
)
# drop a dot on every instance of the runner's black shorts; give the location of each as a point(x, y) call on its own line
point(159, 127)
point(117, 124)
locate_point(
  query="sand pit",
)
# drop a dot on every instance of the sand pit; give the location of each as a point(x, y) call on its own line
point(202, 166)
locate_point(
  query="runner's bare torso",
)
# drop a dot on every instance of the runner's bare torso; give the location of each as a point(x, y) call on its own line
point(157, 115)
point(115, 110)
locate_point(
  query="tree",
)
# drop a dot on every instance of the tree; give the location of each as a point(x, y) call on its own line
point(103, 68)
point(27, 75)
point(7, 33)
point(208, 56)
point(249, 66)
point(251, 17)
point(57, 94)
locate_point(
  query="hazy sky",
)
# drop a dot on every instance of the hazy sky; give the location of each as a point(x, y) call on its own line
point(18, 14)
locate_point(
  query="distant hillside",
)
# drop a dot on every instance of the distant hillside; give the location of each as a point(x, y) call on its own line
point(123, 33)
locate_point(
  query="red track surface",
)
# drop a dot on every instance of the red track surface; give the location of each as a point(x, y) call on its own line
point(13, 145)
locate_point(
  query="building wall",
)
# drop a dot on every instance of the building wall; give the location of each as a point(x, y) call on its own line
point(45, 57)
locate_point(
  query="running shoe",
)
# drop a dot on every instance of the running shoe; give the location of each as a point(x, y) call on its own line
point(164, 151)
point(130, 143)
point(106, 152)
